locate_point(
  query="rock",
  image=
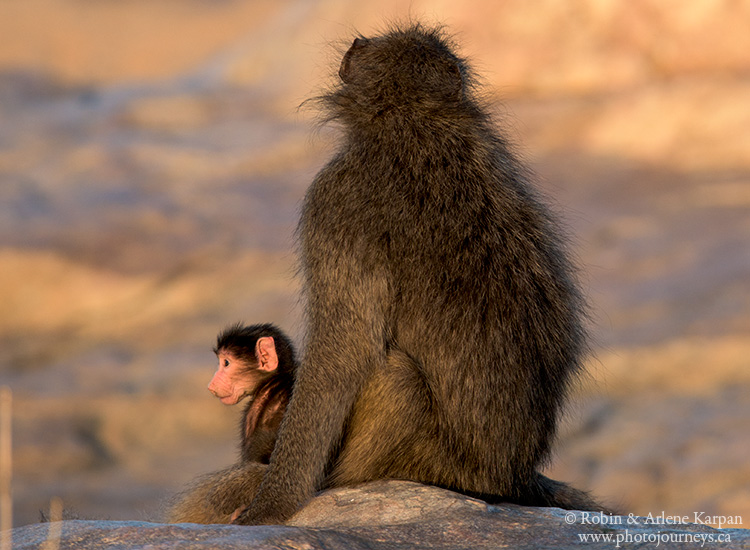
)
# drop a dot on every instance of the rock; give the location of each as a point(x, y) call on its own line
point(387, 515)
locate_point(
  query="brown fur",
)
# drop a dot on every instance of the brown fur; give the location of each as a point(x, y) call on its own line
point(214, 497)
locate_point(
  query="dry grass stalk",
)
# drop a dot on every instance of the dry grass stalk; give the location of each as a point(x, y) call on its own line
point(55, 524)
point(6, 457)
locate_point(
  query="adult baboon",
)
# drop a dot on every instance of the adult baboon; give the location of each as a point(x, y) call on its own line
point(444, 322)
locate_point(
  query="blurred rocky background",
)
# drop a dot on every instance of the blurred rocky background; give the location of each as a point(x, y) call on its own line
point(153, 158)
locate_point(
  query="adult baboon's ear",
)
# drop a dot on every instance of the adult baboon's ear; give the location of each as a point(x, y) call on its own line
point(348, 64)
point(455, 81)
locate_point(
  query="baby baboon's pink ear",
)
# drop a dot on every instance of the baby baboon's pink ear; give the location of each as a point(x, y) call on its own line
point(265, 351)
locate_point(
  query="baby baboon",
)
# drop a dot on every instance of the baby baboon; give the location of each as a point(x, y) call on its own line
point(256, 362)
point(444, 321)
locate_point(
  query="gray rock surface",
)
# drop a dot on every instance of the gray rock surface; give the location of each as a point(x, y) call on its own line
point(387, 515)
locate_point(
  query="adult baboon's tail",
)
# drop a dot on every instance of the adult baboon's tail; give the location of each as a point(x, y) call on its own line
point(544, 491)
